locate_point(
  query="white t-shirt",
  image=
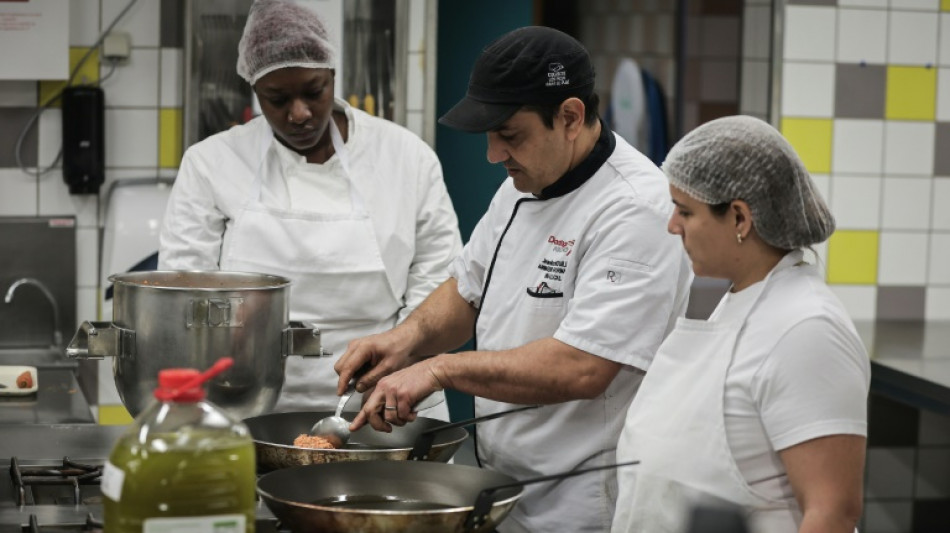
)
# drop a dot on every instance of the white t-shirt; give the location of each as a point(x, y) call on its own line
point(779, 394)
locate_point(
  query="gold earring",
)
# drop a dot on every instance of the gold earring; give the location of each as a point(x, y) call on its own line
point(739, 237)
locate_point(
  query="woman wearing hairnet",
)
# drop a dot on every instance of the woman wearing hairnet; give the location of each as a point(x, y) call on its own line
point(763, 405)
point(350, 207)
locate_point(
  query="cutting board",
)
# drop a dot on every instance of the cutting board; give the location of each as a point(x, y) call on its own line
point(8, 380)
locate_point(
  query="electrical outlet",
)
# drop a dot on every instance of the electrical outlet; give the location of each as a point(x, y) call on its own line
point(116, 46)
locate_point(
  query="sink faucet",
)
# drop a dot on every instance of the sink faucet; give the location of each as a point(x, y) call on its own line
point(57, 335)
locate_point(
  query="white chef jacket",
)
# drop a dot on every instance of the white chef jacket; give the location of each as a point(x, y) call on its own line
point(396, 176)
point(797, 371)
point(592, 265)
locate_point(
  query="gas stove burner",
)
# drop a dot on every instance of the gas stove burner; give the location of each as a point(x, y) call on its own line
point(27, 479)
point(91, 525)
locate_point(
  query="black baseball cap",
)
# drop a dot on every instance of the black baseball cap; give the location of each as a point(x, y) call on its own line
point(534, 65)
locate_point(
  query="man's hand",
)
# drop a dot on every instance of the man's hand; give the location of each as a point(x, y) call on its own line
point(384, 353)
point(392, 401)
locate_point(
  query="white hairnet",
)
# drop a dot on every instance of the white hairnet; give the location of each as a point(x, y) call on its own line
point(744, 158)
point(281, 34)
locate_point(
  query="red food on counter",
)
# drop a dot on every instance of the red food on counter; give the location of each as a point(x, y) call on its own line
point(25, 380)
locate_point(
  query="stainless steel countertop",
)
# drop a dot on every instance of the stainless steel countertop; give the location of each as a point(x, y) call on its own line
point(910, 361)
point(58, 400)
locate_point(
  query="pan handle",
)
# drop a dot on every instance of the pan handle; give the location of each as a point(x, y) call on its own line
point(420, 451)
point(486, 498)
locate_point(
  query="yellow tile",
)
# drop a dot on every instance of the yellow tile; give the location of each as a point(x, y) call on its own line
point(114, 415)
point(945, 5)
point(170, 137)
point(852, 257)
point(88, 74)
point(911, 93)
point(811, 138)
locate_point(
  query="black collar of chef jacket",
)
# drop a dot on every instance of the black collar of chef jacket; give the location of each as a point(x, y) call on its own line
point(579, 175)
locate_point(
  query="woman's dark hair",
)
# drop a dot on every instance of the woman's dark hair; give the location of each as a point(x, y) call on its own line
point(720, 210)
point(548, 112)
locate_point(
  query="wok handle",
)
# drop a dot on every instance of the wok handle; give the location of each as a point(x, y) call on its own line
point(486, 498)
point(423, 444)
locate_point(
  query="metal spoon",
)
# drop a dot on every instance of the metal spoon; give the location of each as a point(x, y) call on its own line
point(336, 429)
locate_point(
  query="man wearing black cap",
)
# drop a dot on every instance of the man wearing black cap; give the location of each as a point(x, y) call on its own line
point(569, 282)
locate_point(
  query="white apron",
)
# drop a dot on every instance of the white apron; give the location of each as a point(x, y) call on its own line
point(676, 428)
point(339, 278)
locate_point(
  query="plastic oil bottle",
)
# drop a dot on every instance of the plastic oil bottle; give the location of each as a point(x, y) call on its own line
point(184, 465)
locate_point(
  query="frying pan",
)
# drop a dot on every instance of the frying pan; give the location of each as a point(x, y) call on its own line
point(274, 435)
point(391, 496)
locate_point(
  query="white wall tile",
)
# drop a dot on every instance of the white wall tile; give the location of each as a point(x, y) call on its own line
point(856, 202)
point(720, 36)
point(903, 258)
point(860, 301)
point(757, 32)
point(636, 35)
point(890, 473)
point(134, 82)
point(888, 516)
point(857, 146)
point(611, 31)
point(415, 122)
point(142, 21)
point(170, 90)
point(938, 303)
point(87, 257)
point(808, 89)
point(16, 93)
point(939, 271)
point(906, 203)
point(19, 193)
point(50, 137)
point(943, 50)
point(132, 138)
point(719, 81)
point(86, 305)
point(863, 3)
point(664, 31)
point(417, 25)
point(754, 95)
point(56, 200)
point(108, 394)
point(810, 33)
point(909, 147)
point(943, 93)
point(415, 83)
point(941, 201)
point(912, 38)
point(83, 22)
point(862, 36)
point(920, 5)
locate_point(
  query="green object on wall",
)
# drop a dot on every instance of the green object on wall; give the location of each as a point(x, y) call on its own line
point(465, 28)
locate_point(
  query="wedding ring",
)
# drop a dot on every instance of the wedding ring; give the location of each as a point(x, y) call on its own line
point(390, 407)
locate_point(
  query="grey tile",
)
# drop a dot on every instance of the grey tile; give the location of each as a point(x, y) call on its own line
point(941, 154)
point(13, 120)
point(860, 91)
point(704, 295)
point(934, 429)
point(887, 517)
point(901, 303)
point(890, 473)
point(933, 473)
point(172, 24)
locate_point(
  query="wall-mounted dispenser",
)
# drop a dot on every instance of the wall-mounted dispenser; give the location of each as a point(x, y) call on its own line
point(83, 140)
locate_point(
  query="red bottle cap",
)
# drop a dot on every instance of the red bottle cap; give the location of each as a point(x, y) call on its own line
point(173, 385)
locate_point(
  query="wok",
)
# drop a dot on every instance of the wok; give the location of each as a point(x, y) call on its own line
point(274, 435)
point(394, 496)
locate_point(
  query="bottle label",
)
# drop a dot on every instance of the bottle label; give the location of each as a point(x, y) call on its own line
point(111, 482)
point(225, 523)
